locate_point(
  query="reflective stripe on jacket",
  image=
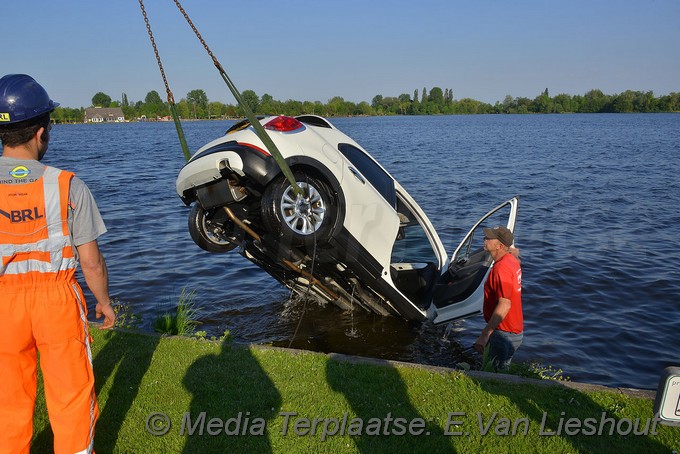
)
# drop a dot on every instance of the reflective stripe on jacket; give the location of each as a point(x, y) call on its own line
point(35, 244)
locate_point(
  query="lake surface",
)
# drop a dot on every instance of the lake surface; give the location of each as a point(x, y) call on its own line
point(598, 226)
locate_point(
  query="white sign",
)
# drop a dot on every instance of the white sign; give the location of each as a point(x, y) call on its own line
point(667, 403)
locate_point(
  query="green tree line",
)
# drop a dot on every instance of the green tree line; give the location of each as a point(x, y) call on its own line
point(433, 102)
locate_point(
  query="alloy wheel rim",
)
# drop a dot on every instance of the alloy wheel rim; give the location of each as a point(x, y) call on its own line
point(303, 213)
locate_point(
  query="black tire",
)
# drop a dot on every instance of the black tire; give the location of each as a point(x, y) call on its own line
point(212, 230)
point(300, 219)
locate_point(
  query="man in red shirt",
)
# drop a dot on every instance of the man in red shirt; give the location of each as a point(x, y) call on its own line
point(502, 300)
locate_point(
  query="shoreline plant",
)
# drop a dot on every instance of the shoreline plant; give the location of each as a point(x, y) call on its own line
point(125, 318)
point(184, 320)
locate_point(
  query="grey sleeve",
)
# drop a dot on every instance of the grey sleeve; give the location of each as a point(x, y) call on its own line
point(86, 223)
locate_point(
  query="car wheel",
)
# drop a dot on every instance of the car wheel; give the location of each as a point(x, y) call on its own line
point(302, 218)
point(212, 230)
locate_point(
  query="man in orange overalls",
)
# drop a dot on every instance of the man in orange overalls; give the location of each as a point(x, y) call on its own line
point(48, 222)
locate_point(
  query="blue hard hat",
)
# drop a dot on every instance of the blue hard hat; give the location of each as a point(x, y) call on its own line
point(22, 98)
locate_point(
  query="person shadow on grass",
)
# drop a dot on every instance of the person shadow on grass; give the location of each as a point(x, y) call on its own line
point(232, 387)
point(129, 355)
point(376, 391)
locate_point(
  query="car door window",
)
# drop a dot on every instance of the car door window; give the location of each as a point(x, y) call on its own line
point(412, 244)
point(378, 178)
point(473, 244)
point(459, 292)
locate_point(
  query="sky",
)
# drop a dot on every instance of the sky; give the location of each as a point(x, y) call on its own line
point(315, 50)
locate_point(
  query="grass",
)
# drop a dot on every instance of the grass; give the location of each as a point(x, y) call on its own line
point(183, 321)
point(251, 390)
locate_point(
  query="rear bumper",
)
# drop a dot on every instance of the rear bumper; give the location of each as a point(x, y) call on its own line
point(208, 173)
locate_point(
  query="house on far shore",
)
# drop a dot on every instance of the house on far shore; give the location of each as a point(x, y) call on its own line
point(104, 115)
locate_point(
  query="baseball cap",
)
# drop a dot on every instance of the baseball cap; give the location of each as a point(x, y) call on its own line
point(500, 233)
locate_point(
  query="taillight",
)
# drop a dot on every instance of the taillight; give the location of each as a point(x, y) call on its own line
point(283, 124)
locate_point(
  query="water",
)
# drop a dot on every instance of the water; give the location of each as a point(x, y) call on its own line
point(598, 226)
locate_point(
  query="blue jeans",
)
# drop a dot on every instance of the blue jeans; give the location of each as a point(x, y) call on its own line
point(502, 346)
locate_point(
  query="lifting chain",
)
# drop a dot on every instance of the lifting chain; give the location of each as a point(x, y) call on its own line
point(198, 35)
point(259, 130)
point(171, 98)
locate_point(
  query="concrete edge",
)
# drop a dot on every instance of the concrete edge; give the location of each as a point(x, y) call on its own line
point(476, 375)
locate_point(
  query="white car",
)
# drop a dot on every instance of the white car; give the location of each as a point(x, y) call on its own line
point(350, 235)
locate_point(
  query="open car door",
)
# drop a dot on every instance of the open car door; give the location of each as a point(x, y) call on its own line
point(459, 293)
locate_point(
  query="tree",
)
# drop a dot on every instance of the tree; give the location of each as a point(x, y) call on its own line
point(337, 106)
point(183, 109)
point(543, 103)
point(509, 104)
point(311, 107)
point(293, 108)
point(415, 105)
point(231, 111)
point(577, 103)
point(153, 105)
point(250, 99)
point(216, 109)
point(448, 97)
point(153, 97)
point(423, 102)
point(645, 102)
point(196, 105)
point(594, 101)
point(470, 106)
point(563, 103)
point(267, 104)
point(624, 102)
point(669, 103)
point(101, 100)
point(129, 111)
point(390, 104)
point(404, 103)
point(364, 108)
point(436, 96)
point(522, 104)
point(197, 97)
point(198, 101)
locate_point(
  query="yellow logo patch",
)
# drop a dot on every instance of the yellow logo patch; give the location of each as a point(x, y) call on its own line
point(20, 172)
point(4, 116)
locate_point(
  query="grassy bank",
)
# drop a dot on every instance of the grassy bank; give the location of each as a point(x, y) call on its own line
point(359, 407)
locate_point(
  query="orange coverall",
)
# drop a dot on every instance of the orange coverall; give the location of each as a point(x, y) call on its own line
point(42, 308)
